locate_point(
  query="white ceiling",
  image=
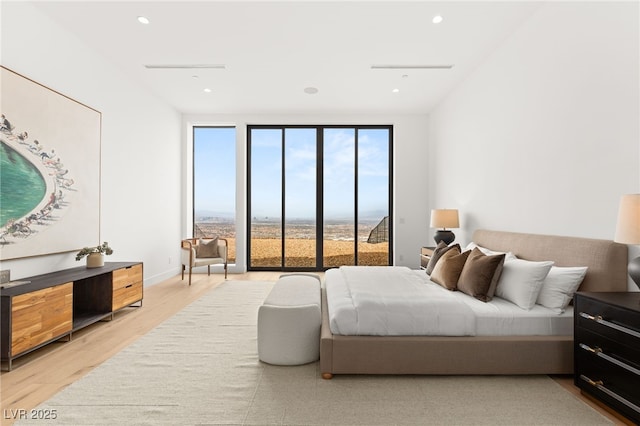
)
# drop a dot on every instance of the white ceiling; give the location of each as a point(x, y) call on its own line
point(274, 50)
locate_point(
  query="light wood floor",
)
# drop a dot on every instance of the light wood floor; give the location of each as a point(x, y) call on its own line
point(38, 376)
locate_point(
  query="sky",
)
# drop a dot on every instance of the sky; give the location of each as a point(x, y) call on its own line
point(214, 158)
point(215, 170)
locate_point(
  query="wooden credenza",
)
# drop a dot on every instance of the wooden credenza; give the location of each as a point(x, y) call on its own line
point(51, 306)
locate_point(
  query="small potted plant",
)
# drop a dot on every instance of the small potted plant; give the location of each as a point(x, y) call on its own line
point(95, 255)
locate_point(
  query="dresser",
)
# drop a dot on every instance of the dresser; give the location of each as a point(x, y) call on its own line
point(607, 349)
point(42, 309)
point(425, 256)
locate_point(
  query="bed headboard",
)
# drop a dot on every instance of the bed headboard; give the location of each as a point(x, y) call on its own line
point(606, 260)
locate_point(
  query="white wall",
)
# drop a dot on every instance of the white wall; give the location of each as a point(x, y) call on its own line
point(544, 136)
point(141, 207)
point(410, 173)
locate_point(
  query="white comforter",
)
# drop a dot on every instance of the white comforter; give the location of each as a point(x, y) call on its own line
point(393, 301)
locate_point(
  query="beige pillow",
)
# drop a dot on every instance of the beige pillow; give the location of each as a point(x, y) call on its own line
point(207, 249)
point(479, 275)
point(448, 269)
point(440, 249)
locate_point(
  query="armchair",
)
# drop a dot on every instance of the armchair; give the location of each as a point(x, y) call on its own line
point(196, 252)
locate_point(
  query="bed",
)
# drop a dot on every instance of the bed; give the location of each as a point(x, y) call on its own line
point(505, 354)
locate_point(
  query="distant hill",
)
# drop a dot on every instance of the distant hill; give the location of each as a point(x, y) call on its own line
point(212, 216)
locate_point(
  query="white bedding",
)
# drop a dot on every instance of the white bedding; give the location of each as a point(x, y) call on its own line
point(398, 301)
point(393, 301)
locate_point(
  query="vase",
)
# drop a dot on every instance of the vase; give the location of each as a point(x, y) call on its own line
point(444, 235)
point(95, 260)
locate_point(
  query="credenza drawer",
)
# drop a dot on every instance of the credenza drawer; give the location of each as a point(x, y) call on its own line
point(614, 351)
point(127, 295)
point(606, 391)
point(41, 316)
point(125, 276)
point(619, 373)
point(615, 323)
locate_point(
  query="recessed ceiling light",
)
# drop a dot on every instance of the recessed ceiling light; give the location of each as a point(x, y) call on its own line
point(207, 90)
point(310, 90)
point(143, 20)
point(437, 19)
point(395, 90)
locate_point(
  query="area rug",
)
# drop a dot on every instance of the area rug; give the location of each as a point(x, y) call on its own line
point(201, 367)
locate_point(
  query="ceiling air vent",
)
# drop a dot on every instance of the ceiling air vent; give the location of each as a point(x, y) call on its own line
point(185, 66)
point(410, 67)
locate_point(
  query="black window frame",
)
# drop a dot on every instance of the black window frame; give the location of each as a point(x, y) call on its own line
point(319, 193)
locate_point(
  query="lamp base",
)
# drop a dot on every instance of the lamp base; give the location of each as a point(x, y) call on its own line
point(634, 270)
point(445, 236)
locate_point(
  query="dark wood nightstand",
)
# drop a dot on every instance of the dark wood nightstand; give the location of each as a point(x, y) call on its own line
point(425, 256)
point(607, 349)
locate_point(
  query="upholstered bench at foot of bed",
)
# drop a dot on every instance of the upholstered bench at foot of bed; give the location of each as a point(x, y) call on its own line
point(289, 321)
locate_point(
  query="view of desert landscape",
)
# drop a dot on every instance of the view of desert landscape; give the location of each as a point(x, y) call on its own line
point(300, 243)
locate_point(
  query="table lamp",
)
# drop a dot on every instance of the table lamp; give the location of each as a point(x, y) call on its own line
point(628, 230)
point(444, 218)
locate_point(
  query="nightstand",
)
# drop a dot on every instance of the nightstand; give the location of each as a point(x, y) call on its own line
point(607, 349)
point(425, 256)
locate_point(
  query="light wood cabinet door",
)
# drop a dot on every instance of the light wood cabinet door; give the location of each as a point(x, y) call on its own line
point(127, 295)
point(125, 276)
point(127, 287)
point(41, 316)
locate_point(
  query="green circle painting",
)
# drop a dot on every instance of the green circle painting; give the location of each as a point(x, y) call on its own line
point(22, 186)
point(32, 180)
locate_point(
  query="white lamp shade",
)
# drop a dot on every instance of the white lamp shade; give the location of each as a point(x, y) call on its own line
point(444, 218)
point(628, 228)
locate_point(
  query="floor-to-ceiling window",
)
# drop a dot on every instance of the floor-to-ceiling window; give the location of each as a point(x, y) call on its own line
point(265, 214)
point(319, 196)
point(214, 184)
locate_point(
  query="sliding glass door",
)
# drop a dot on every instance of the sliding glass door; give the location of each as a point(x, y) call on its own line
point(339, 206)
point(319, 196)
point(265, 211)
point(373, 204)
point(300, 193)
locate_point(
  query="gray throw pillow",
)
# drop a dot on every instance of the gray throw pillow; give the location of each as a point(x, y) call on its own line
point(440, 249)
point(207, 249)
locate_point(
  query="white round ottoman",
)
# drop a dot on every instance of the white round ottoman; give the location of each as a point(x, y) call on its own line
point(289, 321)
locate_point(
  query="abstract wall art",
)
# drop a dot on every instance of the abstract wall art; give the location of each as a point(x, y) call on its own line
point(49, 170)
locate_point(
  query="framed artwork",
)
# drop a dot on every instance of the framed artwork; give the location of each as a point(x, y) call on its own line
point(49, 170)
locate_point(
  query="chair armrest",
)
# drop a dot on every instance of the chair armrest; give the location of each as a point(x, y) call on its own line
point(188, 251)
point(223, 248)
point(188, 243)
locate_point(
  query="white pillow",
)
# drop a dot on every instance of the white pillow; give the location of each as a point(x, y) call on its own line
point(559, 286)
point(521, 281)
point(489, 252)
point(484, 250)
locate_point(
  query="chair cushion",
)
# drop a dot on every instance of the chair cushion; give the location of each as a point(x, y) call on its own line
point(207, 249)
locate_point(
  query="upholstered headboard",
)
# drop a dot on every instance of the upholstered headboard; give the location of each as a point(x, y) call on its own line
point(606, 260)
